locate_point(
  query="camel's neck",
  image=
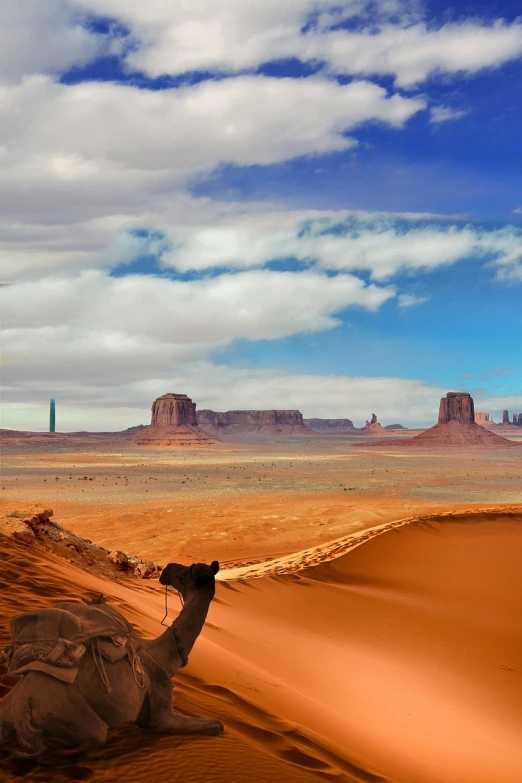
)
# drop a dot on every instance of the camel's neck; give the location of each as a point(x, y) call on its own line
point(188, 625)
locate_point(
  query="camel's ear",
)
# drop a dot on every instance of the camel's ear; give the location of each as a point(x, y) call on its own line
point(214, 566)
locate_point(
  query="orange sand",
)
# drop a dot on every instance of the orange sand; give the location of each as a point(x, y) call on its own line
point(398, 660)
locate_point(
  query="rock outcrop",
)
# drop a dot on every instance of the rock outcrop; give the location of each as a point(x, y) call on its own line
point(173, 424)
point(483, 418)
point(330, 425)
point(395, 427)
point(259, 423)
point(41, 531)
point(505, 417)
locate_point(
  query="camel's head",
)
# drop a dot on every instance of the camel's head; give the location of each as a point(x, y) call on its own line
point(184, 578)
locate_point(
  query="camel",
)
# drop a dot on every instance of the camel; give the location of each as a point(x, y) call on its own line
point(44, 712)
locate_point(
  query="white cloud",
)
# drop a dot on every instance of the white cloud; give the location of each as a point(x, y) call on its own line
point(394, 38)
point(381, 244)
point(43, 37)
point(412, 54)
point(231, 35)
point(440, 114)
point(58, 326)
point(71, 133)
point(80, 163)
point(410, 300)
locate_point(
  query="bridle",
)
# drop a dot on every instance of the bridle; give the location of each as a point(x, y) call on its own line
point(175, 633)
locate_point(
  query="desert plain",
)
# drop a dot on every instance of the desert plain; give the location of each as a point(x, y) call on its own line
point(366, 624)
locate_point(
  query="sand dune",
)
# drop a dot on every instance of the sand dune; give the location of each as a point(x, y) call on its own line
point(397, 657)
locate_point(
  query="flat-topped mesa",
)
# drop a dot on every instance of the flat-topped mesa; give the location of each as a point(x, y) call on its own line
point(268, 422)
point(457, 406)
point(173, 410)
point(505, 417)
point(330, 425)
point(483, 418)
point(173, 423)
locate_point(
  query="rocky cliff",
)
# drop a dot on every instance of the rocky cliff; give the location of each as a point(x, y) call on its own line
point(330, 425)
point(483, 418)
point(173, 423)
point(264, 423)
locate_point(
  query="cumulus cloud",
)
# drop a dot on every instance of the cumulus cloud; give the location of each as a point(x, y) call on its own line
point(44, 37)
point(207, 236)
point(78, 164)
point(414, 53)
point(381, 244)
point(73, 132)
point(231, 36)
point(258, 304)
point(102, 332)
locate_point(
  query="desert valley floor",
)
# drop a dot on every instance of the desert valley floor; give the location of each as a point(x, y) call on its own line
point(366, 625)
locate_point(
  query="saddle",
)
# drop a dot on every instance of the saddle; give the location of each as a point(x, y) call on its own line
point(53, 640)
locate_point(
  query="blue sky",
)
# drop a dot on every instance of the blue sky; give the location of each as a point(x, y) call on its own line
point(305, 205)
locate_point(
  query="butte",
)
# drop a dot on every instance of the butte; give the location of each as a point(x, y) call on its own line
point(173, 423)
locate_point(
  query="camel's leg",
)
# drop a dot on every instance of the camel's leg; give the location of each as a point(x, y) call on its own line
point(174, 722)
point(67, 720)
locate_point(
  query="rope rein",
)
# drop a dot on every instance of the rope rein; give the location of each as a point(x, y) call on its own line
point(175, 633)
point(98, 662)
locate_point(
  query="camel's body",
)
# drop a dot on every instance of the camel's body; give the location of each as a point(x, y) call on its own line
point(42, 712)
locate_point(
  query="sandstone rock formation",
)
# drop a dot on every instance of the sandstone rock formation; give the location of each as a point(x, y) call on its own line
point(265, 423)
point(173, 423)
point(372, 427)
point(483, 418)
point(505, 417)
point(395, 427)
point(457, 406)
point(331, 426)
point(173, 410)
point(457, 427)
